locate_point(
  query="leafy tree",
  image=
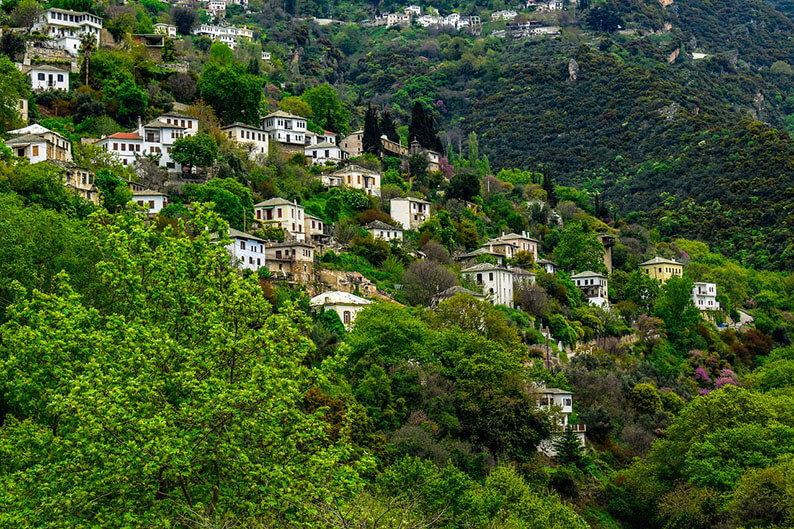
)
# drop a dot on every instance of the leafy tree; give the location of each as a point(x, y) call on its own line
point(568, 447)
point(231, 91)
point(325, 102)
point(185, 19)
point(12, 44)
point(147, 410)
point(199, 150)
point(465, 185)
point(25, 14)
point(371, 138)
point(425, 279)
point(169, 51)
point(645, 399)
point(297, 106)
point(579, 249)
point(114, 193)
point(132, 101)
point(13, 87)
point(225, 203)
point(603, 17)
point(681, 317)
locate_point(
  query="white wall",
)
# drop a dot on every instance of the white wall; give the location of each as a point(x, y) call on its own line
point(247, 253)
point(49, 80)
point(152, 203)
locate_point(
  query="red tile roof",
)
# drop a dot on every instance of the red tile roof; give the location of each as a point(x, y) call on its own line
point(125, 136)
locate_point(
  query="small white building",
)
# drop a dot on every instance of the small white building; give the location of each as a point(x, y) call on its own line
point(549, 266)
point(496, 282)
point(355, 177)
point(125, 145)
point(46, 77)
point(413, 10)
point(247, 251)
point(39, 144)
point(704, 296)
point(284, 127)
point(410, 212)
point(594, 287)
point(165, 29)
point(252, 139)
point(152, 201)
point(345, 304)
point(387, 232)
point(313, 138)
point(325, 153)
point(288, 215)
point(559, 404)
point(504, 15)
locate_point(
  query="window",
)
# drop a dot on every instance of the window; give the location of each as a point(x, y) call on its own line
point(567, 402)
point(242, 245)
point(41, 77)
point(35, 150)
point(278, 254)
point(479, 278)
point(490, 276)
point(346, 317)
point(259, 262)
point(259, 214)
point(151, 204)
point(123, 146)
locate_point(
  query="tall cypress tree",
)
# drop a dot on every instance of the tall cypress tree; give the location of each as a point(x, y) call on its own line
point(416, 130)
point(371, 139)
point(388, 127)
point(551, 193)
point(330, 126)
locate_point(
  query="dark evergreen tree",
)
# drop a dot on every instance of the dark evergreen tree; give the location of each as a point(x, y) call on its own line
point(388, 127)
point(253, 66)
point(371, 139)
point(422, 128)
point(549, 188)
point(568, 447)
point(464, 186)
point(330, 126)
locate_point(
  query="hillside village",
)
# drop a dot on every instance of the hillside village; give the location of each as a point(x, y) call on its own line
point(182, 203)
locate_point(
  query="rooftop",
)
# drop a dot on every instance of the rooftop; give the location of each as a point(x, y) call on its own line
point(276, 201)
point(237, 234)
point(321, 145)
point(484, 267)
point(588, 273)
point(241, 125)
point(157, 124)
point(380, 225)
point(148, 193)
point(123, 136)
point(451, 291)
point(30, 129)
point(660, 260)
point(356, 169)
point(336, 297)
point(282, 114)
point(47, 68)
point(412, 199)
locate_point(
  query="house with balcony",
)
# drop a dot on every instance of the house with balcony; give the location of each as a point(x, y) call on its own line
point(355, 177)
point(559, 404)
point(496, 282)
point(410, 212)
point(314, 228)
point(345, 304)
point(46, 77)
point(704, 296)
point(165, 29)
point(290, 261)
point(288, 215)
point(593, 286)
point(39, 144)
point(80, 180)
point(387, 232)
point(662, 269)
point(254, 140)
point(247, 251)
point(65, 28)
point(286, 129)
point(511, 243)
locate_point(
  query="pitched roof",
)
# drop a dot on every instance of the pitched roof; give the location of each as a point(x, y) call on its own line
point(479, 251)
point(660, 260)
point(243, 125)
point(175, 114)
point(322, 145)
point(35, 128)
point(276, 201)
point(380, 225)
point(25, 139)
point(282, 114)
point(47, 68)
point(123, 136)
point(513, 235)
point(451, 291)
point(157, 124)
point(520, 271)
point(414, 199)
point(288, 244)
point(587, 273)
point(355, 168)
point(148, 193)
point(484, 267)
point(337, 297)
point(237, 234)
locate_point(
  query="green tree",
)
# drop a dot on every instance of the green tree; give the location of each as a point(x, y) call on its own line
point(13, 87)
point(645, 399)
point(297, 106)
point(371, 139)
point(180, 401)
point(324, 101)
point(132, 101)
point(550, 189)
point(199, 150)
point(233, 93)
point(681, 317)
point(465, 185)
point(388, 127)
point(225, 203)
point(579, 249)
point(114, 193)
point(568, 447)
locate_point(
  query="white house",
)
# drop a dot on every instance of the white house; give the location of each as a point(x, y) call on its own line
point(325, 153)
point(39, 144)
point(252, 139)
point(511, 243)
point(356, 177)
point(247, 251)
point(182, 120)
point(345, 304)
point(496, 282)
point(504, 15)
point(288, 215)
point(594, 287)
point(66, 28)
point(410, 212)
point(284, 127)
point(521, 276)
point(413, 10)
point(46, 77)
point(229, 35)
point(152, 201)
point(704, 296)
point(549, 266)
point(125, 145)
point(313, 138)
point(165, 29)
point(559, 403)
point(381, 230)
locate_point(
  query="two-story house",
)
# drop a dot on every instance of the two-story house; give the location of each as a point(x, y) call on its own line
point(704, 296)
point(324, 153)
point(387, 232)
point(66, 28)
point(355, 177)
point(290, 260)
point(410, 212)
point(548, 266)
point(288, 215)
point(46, 77)
point(559, 404)
point(594, 287)
point(165, 29)
point(247, 251)
point(39, 144)
point(345, 304)
point(662, 269)
point(285, 128)
point(314, 228)
point(496, 282)
point(252, 139)
point(519, 243)
point(353, 144)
